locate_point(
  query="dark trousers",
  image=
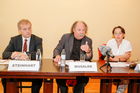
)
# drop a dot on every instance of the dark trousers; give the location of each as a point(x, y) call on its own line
point(36, 84)
point(81, 83)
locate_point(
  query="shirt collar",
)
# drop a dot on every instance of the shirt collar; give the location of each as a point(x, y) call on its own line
point(26, 38)
point(77, 39)
point(115, 43)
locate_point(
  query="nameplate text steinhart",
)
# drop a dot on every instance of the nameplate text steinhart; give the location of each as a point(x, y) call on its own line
point(23, 66)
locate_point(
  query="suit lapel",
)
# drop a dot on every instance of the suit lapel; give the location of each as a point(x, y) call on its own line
point(31, 43)
point(19, 42)
point(71, 43)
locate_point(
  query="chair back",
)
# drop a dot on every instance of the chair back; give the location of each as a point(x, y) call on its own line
point(101, 57)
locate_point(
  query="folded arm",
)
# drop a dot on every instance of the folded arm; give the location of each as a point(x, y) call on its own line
point(124, 57)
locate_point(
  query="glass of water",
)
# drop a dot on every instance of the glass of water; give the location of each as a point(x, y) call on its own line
point(138, 60)
point(82, 57)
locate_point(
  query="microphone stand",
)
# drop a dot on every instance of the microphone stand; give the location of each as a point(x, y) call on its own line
point(108, 64)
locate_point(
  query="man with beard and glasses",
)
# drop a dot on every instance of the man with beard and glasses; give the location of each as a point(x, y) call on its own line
point(75, 44)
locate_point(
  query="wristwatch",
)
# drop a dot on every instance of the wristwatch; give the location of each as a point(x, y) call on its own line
point(89, 51)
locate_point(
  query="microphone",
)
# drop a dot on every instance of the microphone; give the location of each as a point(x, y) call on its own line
point(105, 50)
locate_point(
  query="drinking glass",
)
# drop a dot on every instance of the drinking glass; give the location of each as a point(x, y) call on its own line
point(138, 60)
point(29, 56)
point(82, 57)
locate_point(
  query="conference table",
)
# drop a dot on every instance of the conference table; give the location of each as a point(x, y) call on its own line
point(51, 70)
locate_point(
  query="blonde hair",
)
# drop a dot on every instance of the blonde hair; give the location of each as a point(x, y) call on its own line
point(75, 23)
point(23, 21)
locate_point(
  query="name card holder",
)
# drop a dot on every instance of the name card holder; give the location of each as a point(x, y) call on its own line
point(137, 68)
point(83, 66)
point(23, 66)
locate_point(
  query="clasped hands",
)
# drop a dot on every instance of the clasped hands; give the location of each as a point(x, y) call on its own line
point(19, 55)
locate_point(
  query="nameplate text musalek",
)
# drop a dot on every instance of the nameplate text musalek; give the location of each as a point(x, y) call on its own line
point(83, 66)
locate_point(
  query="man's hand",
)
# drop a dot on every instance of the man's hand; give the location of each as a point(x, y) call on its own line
point(85, 47)
point(16, 54)
point(57, 58)
point(23, 57)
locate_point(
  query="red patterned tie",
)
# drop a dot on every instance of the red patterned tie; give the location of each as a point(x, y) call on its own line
point(25, 46)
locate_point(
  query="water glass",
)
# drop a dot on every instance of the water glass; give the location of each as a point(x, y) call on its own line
point(138, 60)
point(29, 56)
point(82, 57)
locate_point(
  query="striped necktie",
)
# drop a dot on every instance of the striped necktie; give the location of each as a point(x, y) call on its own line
point(25, 46)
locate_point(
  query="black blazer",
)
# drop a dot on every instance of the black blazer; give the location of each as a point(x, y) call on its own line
point(15, 44)
point(66, 42)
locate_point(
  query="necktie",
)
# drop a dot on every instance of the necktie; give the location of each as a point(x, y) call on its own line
point(25, 46)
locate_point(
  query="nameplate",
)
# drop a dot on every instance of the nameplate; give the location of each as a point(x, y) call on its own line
point(23, 66)
point(137, 67)
point(83, 66)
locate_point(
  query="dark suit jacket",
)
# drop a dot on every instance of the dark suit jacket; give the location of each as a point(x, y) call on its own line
point(15, 44)
point(66, 42)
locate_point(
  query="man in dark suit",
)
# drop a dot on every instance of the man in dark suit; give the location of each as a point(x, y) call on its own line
point(15, 49)
point(75, 44)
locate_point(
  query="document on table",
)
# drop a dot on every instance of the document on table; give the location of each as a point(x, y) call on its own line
point(119, 64)
point(4, 61)
point(68, 61)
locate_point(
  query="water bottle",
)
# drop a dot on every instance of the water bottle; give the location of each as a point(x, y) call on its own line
point(38, 56)
point(122, 86)
point(63, 58)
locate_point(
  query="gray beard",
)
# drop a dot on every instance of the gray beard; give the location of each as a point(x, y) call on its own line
point(81, 34)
